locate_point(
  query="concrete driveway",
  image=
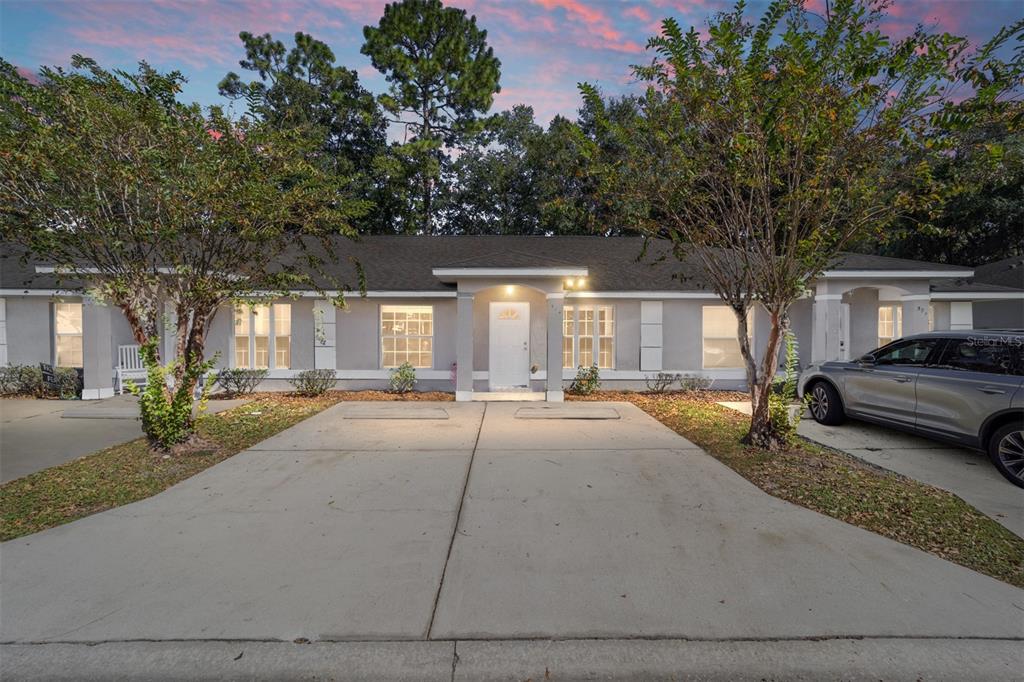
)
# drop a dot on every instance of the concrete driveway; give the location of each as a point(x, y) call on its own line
point(38, 434)
point(466, 521)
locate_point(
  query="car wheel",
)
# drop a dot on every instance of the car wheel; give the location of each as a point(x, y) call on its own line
point(1006, 450)
point(825, 404)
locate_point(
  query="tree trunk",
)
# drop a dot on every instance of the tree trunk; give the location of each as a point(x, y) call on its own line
point(760, 376)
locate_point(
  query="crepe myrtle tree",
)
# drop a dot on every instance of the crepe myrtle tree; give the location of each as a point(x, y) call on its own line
point(140, 200)
point(761, 151)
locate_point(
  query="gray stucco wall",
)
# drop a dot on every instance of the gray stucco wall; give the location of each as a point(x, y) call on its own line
point(801, 316)
point(998, 314)
point(863, 320)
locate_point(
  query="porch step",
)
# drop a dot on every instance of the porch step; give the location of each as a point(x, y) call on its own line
point(508, 396)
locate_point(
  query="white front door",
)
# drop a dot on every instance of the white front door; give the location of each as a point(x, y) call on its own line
point(509, 360)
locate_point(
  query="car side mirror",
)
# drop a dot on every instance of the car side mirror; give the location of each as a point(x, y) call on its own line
point(867, 359)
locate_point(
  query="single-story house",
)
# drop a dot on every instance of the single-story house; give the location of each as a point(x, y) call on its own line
point(496, 314)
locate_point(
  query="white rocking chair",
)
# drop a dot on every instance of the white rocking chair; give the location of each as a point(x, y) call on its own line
point(129, 366)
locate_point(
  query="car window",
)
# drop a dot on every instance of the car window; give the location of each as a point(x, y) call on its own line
point(991, 355)
point(911, 352)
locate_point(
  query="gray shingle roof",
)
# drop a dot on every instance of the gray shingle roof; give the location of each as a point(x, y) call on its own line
point(1008, 272)
point(405, 263)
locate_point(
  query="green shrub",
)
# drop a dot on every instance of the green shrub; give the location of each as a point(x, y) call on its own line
point(21, 380)
point(783, 393)
point(313, 382)
point(403, 378)
point(588, 380)
point(694, 382)
point(68, 384)
point(167, 413)
point(240, 381)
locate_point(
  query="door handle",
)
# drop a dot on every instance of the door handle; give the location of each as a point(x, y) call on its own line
point(992, 390)
point(902, 379)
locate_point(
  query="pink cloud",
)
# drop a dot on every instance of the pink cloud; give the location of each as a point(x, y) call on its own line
point(594, 19)
point(637, 12)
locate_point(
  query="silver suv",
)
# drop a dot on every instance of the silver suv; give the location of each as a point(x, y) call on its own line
point(964, 387)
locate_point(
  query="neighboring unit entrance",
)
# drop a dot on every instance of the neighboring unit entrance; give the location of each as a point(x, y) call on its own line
point(509, 359)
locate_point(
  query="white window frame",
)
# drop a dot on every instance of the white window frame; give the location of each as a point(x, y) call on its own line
point(895, 319)
point(735, 337)
point(55, 357)
point(271, 334)
point(595, 335)
point(381, 336)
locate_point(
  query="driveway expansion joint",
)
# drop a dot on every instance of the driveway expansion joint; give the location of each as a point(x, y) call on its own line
point(455, 528)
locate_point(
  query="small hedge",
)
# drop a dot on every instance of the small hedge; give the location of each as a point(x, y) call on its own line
point(27, 380)
point(588, 380)
point(314, 382)
point(240, 381)
point(403, 378)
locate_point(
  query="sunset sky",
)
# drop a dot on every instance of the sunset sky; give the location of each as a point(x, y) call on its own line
point(545, 46)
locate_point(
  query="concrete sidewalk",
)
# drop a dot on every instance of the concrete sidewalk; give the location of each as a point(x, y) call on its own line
point(670, 660)
point(969, 474)
point(462, 521)
point(39, 434)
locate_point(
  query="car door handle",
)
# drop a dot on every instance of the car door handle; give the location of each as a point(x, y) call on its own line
point(902, 378)
point(992, 390)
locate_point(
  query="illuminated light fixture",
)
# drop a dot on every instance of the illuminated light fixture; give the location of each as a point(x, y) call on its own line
point(568, 284)
point(579, 283)
point(510, 289)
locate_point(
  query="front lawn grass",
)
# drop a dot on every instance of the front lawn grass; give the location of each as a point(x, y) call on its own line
point(842, 486)
point(131, 471)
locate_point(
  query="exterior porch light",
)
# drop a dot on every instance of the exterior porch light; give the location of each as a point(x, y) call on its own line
point(510, 289)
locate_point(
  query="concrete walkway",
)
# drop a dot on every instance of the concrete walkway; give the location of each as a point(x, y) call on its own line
point(478, 524)
point(969, 474)
point(39, 434)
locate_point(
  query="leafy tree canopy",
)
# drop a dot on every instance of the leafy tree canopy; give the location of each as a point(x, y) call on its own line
point(141, 200)
point(763, 150)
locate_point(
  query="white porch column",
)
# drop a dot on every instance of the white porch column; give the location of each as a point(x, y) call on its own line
point(556, 303)
point(961, 315)
point(325, 352)
point(827, 314)
point(97, 352)
point(464, 346)
point(915, 313)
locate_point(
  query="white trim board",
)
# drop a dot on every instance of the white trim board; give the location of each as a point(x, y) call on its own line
point(566, 271)
point(894, 274)
point(978, 296)
point(482, 375)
